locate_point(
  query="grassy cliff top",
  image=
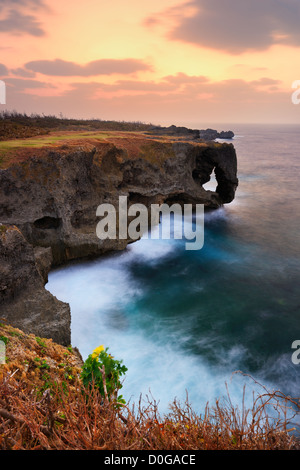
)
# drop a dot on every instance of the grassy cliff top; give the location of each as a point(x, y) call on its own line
point(22, 136)
point(36, 359)
point(15, 125)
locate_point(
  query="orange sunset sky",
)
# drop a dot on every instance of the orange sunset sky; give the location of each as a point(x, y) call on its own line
point(161, 61)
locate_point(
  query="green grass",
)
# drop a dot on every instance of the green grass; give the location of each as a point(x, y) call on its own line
point(8, 146)
point(4, 339)
point(38, 142)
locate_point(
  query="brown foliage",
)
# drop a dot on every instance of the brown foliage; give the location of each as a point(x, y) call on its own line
point(14, 125)
point(76, 419)
point(43, 405)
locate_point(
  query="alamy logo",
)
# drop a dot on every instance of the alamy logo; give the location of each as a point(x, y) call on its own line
point(296, 94)
point(2, 352)
point(296, 354)
point(2, 92)
point(159, 222)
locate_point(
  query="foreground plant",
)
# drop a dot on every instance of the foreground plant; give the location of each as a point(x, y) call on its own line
point(103, 372)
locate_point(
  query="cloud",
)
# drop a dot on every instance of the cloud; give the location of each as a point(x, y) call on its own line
point(182, 102)
point(18, 23)
point(236, 26)
point(21, 72)
point(166, 86)
point(265, 81)
point(82, 92)
point(180, 97)
point(177, 87)
point(22, 3)
point(20, 17)
point(63, 68)
point(181, 78)
point(138, 86)
point(19, 84)
point(3, 70)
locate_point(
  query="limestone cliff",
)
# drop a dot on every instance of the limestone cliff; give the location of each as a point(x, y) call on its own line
point(51, 199)
point(23, 299)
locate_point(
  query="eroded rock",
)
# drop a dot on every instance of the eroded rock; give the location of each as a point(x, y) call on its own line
point(52, 201)
point(24, 301)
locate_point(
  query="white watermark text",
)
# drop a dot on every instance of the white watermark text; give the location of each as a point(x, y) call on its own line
point(138, 221)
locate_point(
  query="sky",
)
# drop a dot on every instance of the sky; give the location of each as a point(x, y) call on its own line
point(183, 62)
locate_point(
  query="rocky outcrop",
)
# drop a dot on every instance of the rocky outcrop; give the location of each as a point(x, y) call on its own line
point(225, 135)
point(211, 134)
point(51, 200)
point(191, 134)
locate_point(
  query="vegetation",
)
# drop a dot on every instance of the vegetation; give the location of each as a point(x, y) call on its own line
point(103, 372)
point(14, 125)
point(21, 136)
point(51, 400)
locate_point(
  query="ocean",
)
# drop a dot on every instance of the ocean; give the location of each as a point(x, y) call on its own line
point(197, 325)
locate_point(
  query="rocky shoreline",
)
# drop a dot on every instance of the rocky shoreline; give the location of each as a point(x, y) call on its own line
point(48, 208)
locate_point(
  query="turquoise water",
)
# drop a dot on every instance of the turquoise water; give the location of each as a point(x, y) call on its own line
point(185, 321)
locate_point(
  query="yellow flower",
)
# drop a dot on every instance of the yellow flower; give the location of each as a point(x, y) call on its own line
point(97, 351)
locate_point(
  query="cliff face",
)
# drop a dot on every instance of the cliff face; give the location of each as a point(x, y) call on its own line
point(23, 299)
point(52, 200)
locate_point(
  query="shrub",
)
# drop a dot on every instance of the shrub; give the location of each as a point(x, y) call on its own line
point(103, 372)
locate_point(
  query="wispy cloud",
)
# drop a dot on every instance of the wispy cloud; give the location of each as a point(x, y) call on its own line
point(177, 89)
point(20, 84)
point(169, 98)
point(65, 68)
point(22, 72)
